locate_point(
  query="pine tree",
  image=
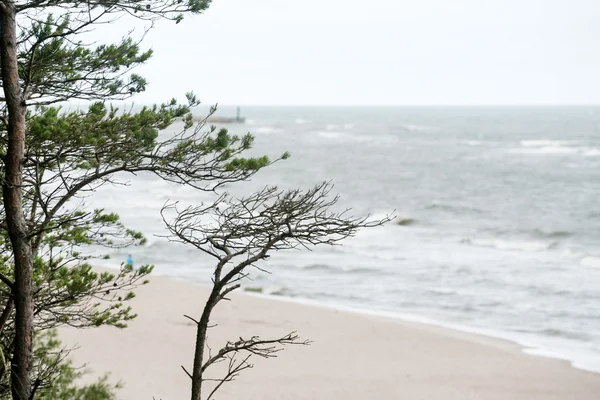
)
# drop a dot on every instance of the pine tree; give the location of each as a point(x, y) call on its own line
point(51, 159)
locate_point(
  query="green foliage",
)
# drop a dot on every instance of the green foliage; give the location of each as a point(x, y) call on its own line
point(69, 154)
point(99, 133)
point(54, 67)
point(81, 297)
point(247, 164)
point(57, 378)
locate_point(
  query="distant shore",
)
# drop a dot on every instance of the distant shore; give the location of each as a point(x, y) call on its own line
point(353, 356)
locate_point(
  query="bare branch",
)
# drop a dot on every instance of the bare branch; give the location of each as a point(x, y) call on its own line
point(239, 233)
point(267, 220)
point(233, 370)
point(192, 319)
point(186, 371)
point(228, 290)
point(255, 346)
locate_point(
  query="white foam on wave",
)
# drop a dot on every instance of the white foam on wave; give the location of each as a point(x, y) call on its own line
point(558, 150)
point(546, 143)
point(337, 135)
point(559, 147)
point(267, 130)
point(589, 261)
point(330, 134)
point(418, 128)
point(301, 121)
point(508, 245)
point(592, 152)
point(353, 137)
point(547, 150)
point(473, 142)
point(335, 127)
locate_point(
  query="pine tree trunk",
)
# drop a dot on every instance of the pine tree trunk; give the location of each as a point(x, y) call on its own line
point(13, 205)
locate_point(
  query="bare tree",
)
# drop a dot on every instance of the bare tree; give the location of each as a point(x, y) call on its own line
point(240, 233)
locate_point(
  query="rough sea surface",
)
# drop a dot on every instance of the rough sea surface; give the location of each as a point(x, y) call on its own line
point(498, 227)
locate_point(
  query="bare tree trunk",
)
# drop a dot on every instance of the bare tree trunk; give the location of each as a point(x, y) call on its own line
point(13, 205)
point(198, 357)
point(200, 342)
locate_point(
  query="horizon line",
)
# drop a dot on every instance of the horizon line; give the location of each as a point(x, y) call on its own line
point(209, 104)
point(408, 105)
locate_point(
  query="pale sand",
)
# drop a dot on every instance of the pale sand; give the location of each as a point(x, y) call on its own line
point(353, 357)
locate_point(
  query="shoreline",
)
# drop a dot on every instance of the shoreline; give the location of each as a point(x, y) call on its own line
point(525, 345)
point(353, 355)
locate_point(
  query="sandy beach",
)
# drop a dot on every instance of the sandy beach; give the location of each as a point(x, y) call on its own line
point(352, 357)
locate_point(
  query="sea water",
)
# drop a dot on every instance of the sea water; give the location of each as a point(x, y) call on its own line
point(497, 228)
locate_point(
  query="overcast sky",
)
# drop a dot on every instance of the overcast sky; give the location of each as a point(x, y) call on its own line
point(381, 52)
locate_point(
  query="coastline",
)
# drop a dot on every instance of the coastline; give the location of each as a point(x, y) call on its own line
point(353, 355)
point(528, 347)
point(527, 343)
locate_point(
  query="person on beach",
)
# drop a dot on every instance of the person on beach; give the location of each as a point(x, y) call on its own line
point(130, 261)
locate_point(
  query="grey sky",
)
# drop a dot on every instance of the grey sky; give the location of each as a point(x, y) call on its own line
point(377, 52)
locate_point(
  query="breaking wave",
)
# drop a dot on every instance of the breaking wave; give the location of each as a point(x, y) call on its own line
point(458, 209)
point(267, 130)
point(510, 245)
point(590, 262)
point(418, 128)
point(554, 147)
point(337, 270)
point(552, 234)
point(546, 143)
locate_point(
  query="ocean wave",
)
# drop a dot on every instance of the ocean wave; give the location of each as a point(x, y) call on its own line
point(546, 143)
point(348, 136)
point(464, 307)
point(509, 245)
point(267, 130)
point(458, 209)
point(547, 150)
point(301, 121)
point(589, 261)
point(332, 127)
point(442, 292)
point(558, 147)
point(536, 233)
point(548, 291)
point(330, 134)
point(592, 152)
point(562, 333)
point(417, 128)
point(473, 142)
point(338, 270)
point(552, 234)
